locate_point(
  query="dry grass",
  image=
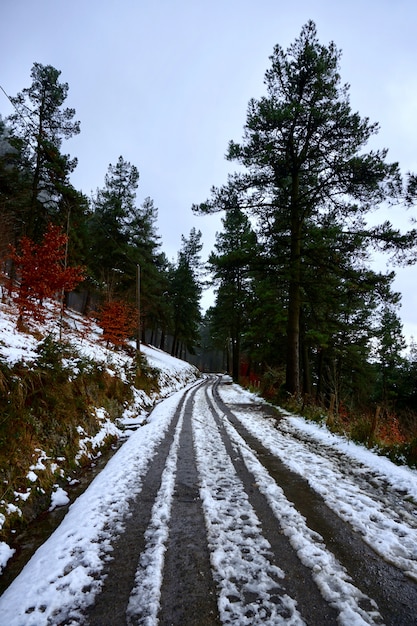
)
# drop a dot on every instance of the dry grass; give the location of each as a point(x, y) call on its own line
point(42, 407)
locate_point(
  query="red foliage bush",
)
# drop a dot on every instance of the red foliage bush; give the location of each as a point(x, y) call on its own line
point(118, 321)
point(41, 271)
point(389, 431)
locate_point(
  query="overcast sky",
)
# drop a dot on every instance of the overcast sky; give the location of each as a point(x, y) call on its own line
point(166, 83)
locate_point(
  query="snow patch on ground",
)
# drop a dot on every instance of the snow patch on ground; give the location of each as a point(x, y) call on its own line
point(63, 577)
point(59, 497)
point(84, 335)
point(239, 552)
point(384, 522)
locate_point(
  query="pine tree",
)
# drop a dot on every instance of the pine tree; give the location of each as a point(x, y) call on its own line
point(109, 227)
point(304, 153)
point(235, 251)
point(184, 294)
point(390, 344)
point(15, 186)
point(39, 124)
point(144, 244)
point(341, 295)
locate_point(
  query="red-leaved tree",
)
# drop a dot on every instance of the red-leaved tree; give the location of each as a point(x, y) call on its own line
point(118, 321)
point(41, 272)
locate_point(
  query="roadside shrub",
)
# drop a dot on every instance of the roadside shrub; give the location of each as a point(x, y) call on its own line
point(42, 272)
point(361, 430)
point(272, 383)
point(118, 321)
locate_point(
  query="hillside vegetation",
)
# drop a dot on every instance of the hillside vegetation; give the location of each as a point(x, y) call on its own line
point(64, 401)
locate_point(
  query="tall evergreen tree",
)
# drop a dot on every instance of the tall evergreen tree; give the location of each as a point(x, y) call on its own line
point(340, 297)
point(304, 153)
point(123, 241)
point(231, 262)
point(185, 293)
point(390, 344)
point(39, 124)
point(109, 227)
point(15, 185)
point(144, 244)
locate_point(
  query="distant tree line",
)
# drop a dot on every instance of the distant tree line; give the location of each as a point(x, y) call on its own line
point(109, 235)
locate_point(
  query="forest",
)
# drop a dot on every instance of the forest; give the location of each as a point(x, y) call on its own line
point(299, 310)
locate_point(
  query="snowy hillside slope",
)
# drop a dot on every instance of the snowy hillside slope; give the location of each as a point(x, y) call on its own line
point(83, 336)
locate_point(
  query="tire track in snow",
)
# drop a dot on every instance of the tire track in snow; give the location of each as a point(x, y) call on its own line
point(347, 603)
point(249, 581)
point(371, 482)
point(144, 600)
point(120, 572)
point(331, 578)
point(173, 585)
point(188, 594)
point(386, 584)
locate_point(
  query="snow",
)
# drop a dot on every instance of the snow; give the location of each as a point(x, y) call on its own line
point(84, 336)
point(330, 577)
point(32, 476)
point(15, 346)
point(63, 577)
point(374, 496)
point(339, 471)
point(6, 552)
point(239, 551)
point(59, 498)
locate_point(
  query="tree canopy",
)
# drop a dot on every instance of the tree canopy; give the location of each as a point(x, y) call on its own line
point(306, 178)
point(38, 126)
point(296, 290)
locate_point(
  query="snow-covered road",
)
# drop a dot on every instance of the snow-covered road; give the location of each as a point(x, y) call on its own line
point(220, 511)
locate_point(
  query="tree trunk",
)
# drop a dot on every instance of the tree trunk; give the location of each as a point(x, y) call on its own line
point(34, 216)
point(319, 376)
point(292, 382)
point(294, 298)
point(174, 345)
point(307, 383)
point(162, 340)
point(235, 358)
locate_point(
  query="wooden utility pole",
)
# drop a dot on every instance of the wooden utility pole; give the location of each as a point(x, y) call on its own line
point(138, 303)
